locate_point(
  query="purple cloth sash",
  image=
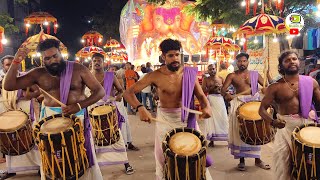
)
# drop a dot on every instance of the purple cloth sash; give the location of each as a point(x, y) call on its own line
point(65, 82)
point(305, 96)
point(254, 76)
point(107, 84)
point(188, 83)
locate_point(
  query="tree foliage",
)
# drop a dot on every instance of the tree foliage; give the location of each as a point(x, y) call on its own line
point(7, 23)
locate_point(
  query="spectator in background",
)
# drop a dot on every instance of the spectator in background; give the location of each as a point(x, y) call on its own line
point(146, 93)
point(315, 71)
point(138, 95)
point(138, 70)
point(130, 77)
point(223, 73)
point(148, 67)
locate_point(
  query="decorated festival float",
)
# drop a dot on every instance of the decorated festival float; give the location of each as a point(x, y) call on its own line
point(143, 26)
point(41, 20)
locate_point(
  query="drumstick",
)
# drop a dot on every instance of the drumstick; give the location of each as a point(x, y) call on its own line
point(191, 110)
point(53, 98)
point(161, 121)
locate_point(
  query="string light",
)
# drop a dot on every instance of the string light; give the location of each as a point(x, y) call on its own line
point(255, 40)
point(252, 1)
point(259, 3)
point(4, 41)
point(56, 25)
point(243, 3)
point(28, 25)
point(82, 40)
point(46, 23)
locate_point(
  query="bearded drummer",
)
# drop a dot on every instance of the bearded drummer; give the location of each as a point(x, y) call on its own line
point(170, 81)
point(12, 100)
point(64, 80)
point(115, 153)
point(294, 95)
point(246, 85)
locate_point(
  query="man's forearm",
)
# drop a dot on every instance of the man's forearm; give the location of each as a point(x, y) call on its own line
point(93, 98)
point(10, 83)
point(203, 101)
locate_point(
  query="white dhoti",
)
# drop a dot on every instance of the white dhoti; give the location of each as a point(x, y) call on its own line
point(24, 162)
point(283, 145)
point(238, 148)
point(125, 129)
point(217, 126)
point(172, 115)
point(92, 173)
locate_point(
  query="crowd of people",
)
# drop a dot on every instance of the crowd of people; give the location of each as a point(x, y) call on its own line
point(162, 93)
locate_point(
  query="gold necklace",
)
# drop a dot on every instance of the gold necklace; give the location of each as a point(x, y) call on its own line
point(294, 90)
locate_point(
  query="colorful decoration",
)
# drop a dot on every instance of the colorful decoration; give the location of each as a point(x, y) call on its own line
point(86, 52)
point(32, 43)
point(279, 4)
point(41, 18)
point(261, 25)
point(112, 43)
point(92, 38)
point(217, 43)
point(1, 38)
point(144, 26)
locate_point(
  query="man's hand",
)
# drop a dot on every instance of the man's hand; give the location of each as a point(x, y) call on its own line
point(279, 123)
point(21, 54)
point(144, 114)
point(263, 90)
point(71, 109)
point(119, 98)
point(228, 97)
point(206, 113)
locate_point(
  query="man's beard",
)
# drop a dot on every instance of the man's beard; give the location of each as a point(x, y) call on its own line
point(287, 71)
point(173, 68)
point(242, 68)
point(55, 69)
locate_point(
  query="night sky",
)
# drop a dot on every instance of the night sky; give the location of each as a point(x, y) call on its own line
point(73, 18)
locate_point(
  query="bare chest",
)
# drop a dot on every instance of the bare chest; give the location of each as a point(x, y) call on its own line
point(50, 83)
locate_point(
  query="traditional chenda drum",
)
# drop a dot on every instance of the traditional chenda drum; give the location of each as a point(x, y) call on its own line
point(60, 141)
point(104, 121)
point(15, 133)
point(306, 151)
point(253, 129)
point(185, 154)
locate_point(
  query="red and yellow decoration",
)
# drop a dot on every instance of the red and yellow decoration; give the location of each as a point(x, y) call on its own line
point(112, 43)
point(86, 52)
point(1, 38)
point(279, 4)
point(41, 18)
point(32, 43)
point(92, 38)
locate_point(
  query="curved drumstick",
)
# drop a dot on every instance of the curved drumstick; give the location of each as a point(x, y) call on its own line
point(53, 98)
point(162, 121)
point(191, 110)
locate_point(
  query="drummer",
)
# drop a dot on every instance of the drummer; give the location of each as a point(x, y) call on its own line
point(294, 95)
point(30, 160)
point(115, 153)
point(216, 126)
point(168, 80)
point(246, 85)
point(58, 77)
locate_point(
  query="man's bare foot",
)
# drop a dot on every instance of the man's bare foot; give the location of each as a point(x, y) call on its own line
point(259, 163)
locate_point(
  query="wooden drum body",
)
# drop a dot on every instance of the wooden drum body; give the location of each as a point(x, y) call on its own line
point(253, 129)
point(104, 121)
point(61, 144)
point(306, 151)
point(185, 154)
point(15, 133)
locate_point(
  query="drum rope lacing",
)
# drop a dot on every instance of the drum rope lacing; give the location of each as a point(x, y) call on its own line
point(303, 163)
point(200, 162)
point(27, 136)
point(98, 132)
point(75, 137)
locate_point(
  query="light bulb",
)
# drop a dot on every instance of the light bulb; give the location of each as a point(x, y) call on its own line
point(82, 40)
point(252, 1)
point(259, 3)
point(243, 40)
point(243, 3)
point(46, 23)
point(4, 41)
point(275, 40)
point(223, 29)
point(56, 25)
point(255, 41)
point(28, 25)
point(100, 40)
point(241, 43)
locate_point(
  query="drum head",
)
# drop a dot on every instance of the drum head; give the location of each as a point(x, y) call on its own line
point(12, 120)
point(310, 135)
point(56, 125)
point(185, 144)
point(250, 110)
point(100, 110)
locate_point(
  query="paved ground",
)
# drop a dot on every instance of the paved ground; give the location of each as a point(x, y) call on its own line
point(144, 164)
